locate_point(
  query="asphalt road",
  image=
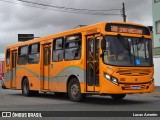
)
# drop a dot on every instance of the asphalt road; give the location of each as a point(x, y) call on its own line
point(13, 100)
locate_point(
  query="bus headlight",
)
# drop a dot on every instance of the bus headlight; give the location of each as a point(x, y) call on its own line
point(151, 81)
point(111, 78)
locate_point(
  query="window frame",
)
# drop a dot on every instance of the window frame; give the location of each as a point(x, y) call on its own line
point(156, 1)
point(156, 25)
point(80, 34)
point(30, 52)
point(22, 55)
point(54, 48)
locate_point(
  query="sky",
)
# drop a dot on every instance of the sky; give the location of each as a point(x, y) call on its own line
point(16, 18)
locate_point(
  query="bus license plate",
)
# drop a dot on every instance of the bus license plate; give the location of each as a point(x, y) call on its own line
point(135, 87)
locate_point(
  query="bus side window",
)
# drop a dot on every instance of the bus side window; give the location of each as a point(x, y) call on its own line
point(7, 57)
point(73, 47)
point(34, 50)
point(57, 49)
point(23, 55)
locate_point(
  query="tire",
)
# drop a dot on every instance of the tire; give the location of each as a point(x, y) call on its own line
point(74, 91)
point(26, 90)
point(3, 86)
point(118, 96)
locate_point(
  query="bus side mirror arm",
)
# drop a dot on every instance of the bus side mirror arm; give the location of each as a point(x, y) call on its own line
point(101, 55)
point(103, 42)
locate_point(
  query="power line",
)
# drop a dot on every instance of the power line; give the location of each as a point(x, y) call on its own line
point(60, 7)
point(64, 9)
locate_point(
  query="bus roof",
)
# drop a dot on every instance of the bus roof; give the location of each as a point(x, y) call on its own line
point(80, 29)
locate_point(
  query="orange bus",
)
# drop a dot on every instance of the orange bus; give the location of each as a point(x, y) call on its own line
point(108, 58)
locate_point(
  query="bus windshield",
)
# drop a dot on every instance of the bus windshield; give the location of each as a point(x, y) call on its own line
point(127, 51)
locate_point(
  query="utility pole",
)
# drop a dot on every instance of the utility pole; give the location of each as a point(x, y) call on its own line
point(123, 12)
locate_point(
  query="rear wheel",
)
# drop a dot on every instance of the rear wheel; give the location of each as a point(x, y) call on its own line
point(74, 91)
point(3, 86)
point(118, 96)
point(26, 90)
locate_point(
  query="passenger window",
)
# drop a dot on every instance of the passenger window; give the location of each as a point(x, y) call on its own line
point(23, 55)
point(7, 57)
point(58, 49)
point(46, 55)
point(73, 47)
point(34, 55)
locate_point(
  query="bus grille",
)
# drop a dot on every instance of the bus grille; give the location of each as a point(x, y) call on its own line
point(133, 72)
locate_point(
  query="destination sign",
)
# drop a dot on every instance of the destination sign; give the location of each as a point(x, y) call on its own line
point(25, 37)
point(126, 28)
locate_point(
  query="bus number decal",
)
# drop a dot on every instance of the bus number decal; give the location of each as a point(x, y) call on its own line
point(92, 31)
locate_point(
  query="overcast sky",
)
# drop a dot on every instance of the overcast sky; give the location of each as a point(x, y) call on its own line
point(17, 18)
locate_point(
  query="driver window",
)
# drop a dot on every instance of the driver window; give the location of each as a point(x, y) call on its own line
point(109, 52)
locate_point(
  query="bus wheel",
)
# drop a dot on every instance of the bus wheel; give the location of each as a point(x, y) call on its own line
point(118, 96)
point(25, 88)
point(3, 86)
point(74, 91)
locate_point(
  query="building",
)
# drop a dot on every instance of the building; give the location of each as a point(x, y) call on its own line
point(156, 26)
point(156, 40)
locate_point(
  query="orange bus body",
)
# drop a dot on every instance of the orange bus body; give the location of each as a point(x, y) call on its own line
point(53, 61)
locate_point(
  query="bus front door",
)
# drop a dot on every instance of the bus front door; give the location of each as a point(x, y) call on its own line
point(14, 61)
point(46, 66)
point(92, 65)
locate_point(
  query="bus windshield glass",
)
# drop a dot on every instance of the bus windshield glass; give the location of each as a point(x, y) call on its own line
point(127, 51)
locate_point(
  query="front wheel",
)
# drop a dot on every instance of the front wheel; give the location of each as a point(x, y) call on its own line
point(74, 91)
point(118, 96)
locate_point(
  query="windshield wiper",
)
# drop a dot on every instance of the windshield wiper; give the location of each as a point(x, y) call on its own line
point(122, 41)
point(140, 39)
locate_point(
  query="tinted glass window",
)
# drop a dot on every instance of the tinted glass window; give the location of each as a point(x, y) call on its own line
point(58, 49)
point(7, 57)
point(127, 51)
point(33, 56)
point(158, 27)
point(23, 50)
point(73, 47)
point(23, 55)
point(46, 55)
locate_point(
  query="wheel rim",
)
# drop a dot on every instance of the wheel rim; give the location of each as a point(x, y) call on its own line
point(75, 90)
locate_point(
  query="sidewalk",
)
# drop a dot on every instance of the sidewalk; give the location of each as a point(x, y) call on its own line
point(156, 91)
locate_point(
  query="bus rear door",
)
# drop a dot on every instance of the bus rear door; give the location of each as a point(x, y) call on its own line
point(46, 65)
point(13, 69)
